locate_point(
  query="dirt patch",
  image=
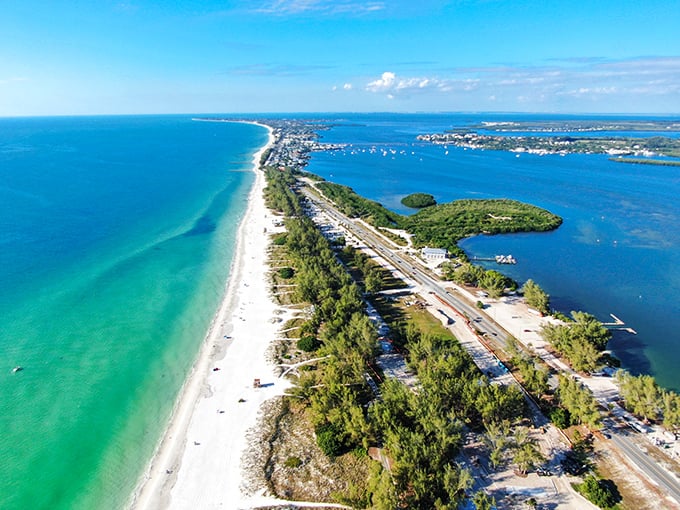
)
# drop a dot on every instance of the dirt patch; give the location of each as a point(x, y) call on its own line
point(315, 477)
point(284, 459)
point(637, 493)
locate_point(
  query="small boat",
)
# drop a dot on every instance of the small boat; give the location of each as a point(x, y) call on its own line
point(16, 369)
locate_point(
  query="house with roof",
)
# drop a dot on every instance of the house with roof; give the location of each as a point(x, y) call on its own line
point(434, 253)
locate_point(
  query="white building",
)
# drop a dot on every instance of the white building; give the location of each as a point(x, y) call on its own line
point(434, 253)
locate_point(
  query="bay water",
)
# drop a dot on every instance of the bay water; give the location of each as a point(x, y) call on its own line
point(116, 238)
point(117, 233)
point(618, 250)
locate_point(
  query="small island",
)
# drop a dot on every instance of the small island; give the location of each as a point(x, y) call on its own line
point(418, 200)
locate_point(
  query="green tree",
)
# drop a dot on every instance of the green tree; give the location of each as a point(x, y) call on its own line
point(578, 400)
point(534, 379)
point(467, 274)
point(494, 283)
point(373, 281)
point(560, 417)
point(381, 487)
point(536, 297)
point(584, 356)
point(641, 394)
point(580, 341)
point(602, 493)
point(526, 453)
point(589, 329)
point(671, 410)
point(483, 501)
point(497, 440)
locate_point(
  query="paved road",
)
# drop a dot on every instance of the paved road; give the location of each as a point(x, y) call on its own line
point(482, 323)
point(658, 474)
point(488, 327)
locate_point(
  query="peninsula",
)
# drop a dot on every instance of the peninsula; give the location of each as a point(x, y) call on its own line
point(379, 382)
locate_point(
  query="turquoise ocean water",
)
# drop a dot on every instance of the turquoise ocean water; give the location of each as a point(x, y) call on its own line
point(618, 250)
point(116, 238)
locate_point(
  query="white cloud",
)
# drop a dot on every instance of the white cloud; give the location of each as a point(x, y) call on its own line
point(390, 83)
point(325, 7)
point(385, 82)
point(347, 86)
point(636, 84)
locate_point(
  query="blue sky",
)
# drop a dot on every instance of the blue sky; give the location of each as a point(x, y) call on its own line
point(178, 56)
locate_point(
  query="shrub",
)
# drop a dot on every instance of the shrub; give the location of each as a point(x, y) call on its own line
point(328, 441)
point(286, 272)
point(308, 343)
point(293, 462)
point(602, 493)
point(560, 417)
point(280, 239)
point(360, 452)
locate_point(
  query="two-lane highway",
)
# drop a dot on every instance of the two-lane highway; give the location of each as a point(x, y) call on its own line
point(483, 323)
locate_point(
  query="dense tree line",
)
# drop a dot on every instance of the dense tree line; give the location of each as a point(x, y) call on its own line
point(578, 400)
point(336, 393)
point(279, 195)
point(581, 341)
point(534, 379)
point(356, 206)
point(493, 282)
point(645, 398)
point(369, 272)
point(421, 430)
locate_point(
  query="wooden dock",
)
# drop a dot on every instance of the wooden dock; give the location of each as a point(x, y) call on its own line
point(618, 325)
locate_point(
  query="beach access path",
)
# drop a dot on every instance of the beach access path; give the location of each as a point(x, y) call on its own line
point(198, 463)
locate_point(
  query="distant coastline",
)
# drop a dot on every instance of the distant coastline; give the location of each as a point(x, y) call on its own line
point(562, 141)
point(645, 161)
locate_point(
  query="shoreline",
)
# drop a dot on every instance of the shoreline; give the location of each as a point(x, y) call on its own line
point(208, 415)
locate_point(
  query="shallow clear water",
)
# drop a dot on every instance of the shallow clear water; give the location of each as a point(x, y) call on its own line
point(116, 237)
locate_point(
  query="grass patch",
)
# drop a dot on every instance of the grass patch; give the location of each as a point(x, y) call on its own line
point(293, 462)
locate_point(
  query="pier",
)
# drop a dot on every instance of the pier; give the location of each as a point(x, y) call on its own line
point(618, 325)
point(498, 259)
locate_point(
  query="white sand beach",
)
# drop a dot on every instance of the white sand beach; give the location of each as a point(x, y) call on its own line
point(198, 461)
